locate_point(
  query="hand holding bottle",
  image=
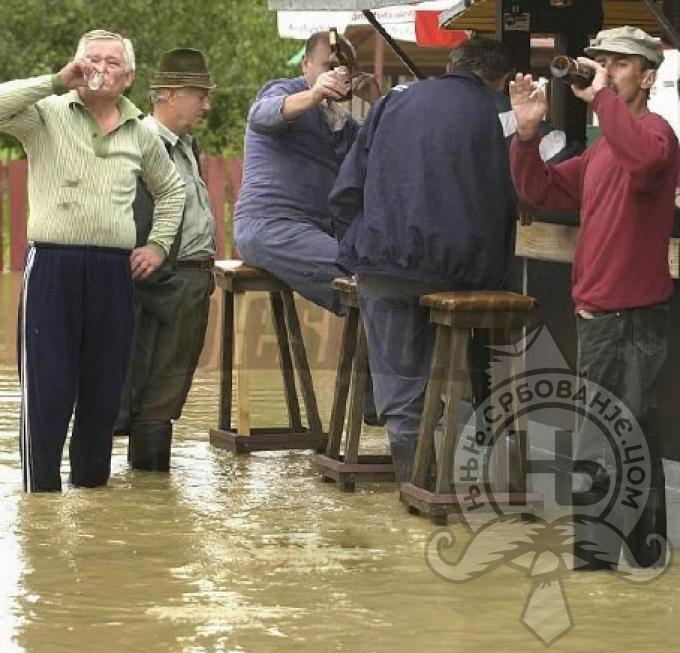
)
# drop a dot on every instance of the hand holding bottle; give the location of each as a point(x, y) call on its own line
point(600, 80)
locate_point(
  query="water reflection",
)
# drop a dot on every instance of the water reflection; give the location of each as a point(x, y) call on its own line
point(254, 554)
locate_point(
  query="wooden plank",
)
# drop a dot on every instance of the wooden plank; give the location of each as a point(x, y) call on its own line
point(227, 368)
point(3, 173)
point(358, 397)
point(431, 405)
point(454, 394)
point(674, 257)
point(18, 175)
point(517, 475)
point(215, 174)
point(544, 241)
point(285, 362)
point(301, 362)
point(342, 383)
point(241, 363)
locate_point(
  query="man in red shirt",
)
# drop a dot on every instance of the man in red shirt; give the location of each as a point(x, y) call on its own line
point(624, 187)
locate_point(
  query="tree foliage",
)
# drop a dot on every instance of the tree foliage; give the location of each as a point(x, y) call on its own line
point(238, 37)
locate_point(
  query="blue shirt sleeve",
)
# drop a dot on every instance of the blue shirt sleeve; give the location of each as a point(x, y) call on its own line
point(266, 114)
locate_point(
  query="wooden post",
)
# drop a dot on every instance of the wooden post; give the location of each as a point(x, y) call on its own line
point(241, 363)
point(234, 169)
point(286, 362)
point(455, 387)
point(342, 383)
point(672, 10)
point(517, 40)
point(379, 58)
point(3, 173)
point(431, 406)
point(227, 368)
point(568, 112)
point(18, 176)
point(215, 175)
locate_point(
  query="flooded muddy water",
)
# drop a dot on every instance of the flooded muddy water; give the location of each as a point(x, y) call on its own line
point(253, 553)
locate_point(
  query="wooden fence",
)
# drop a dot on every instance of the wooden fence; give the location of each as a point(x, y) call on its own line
point(222, 177)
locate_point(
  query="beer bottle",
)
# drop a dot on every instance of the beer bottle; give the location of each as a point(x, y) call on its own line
point(339, 59)
point(571, 71)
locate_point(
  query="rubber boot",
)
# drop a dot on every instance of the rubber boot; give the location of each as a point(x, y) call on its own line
point(403, 455)
point(596, 548)
point(652, 521)
point(149, 446)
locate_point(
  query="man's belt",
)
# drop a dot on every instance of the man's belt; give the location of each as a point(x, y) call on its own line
point(196, 264)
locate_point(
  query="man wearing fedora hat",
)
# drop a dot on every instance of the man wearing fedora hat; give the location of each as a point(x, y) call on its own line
point(171, 306)
point(624, 187)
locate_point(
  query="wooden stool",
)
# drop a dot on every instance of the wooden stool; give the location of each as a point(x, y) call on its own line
point(352, 378)
point(455, 314)
point(235, 281)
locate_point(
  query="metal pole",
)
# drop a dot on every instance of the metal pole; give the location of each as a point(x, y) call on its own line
point(406, 60)
point(664, 23)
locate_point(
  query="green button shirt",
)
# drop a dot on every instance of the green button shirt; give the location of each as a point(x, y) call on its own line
point(198, 230)
point(81, 183)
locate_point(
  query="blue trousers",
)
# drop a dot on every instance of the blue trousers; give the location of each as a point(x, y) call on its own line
point(400, 340)
point(300, 254)
point(75, 328)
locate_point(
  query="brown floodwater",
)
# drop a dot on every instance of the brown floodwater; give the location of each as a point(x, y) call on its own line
point(253, 553)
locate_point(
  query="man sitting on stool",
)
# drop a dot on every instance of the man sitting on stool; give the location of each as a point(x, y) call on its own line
point(424, 203)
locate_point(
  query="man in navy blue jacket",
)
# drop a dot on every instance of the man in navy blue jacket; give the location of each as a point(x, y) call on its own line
point(423, 203)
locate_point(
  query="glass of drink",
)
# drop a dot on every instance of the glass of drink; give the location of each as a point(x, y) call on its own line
point(96, 76)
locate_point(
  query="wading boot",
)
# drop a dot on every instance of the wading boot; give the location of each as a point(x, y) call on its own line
point(149, 446)
point(403, 455)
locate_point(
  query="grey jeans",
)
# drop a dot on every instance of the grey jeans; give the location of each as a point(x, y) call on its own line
point(623, 352)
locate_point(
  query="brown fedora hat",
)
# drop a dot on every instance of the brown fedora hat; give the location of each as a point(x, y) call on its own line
point(182, 67)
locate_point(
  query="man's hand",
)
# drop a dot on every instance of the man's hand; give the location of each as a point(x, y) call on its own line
point(600, 81)
point(365, 86)
point(330, 85)
point(529, 105)
point(144, 261)
point(75, 73)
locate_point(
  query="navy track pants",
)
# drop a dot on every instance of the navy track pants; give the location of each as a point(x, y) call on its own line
point(76, 320)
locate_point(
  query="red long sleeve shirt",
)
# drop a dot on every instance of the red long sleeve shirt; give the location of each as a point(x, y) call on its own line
point(624, 186)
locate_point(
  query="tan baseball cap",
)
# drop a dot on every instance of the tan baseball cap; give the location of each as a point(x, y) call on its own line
point(627, 40)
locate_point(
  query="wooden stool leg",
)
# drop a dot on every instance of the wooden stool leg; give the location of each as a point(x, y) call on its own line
point(342, 383)
point(499, 461)
point(425, 447)
point(240, 352)
point(358, 397)
point(519, 466)
point(227, 368)
point(301, 363)
point(294, 419)
point(455, 390)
